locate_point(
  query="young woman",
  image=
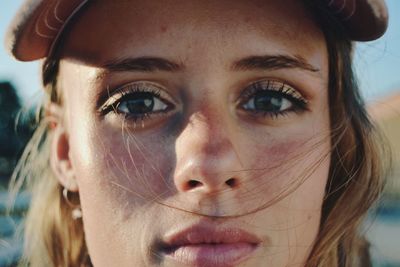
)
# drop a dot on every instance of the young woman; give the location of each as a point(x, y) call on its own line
point(198, 133)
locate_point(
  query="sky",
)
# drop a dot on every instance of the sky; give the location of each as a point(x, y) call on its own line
point(377, 63)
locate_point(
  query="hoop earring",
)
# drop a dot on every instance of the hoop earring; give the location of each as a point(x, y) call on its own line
point(76, 208)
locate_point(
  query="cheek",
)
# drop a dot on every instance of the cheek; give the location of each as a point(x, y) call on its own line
point(283, 161)
point(292, 185)
point(126, 166)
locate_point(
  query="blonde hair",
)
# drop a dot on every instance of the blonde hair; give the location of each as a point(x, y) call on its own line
point(54, 238)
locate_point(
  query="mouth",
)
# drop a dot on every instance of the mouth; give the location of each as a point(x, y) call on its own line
point(209, 245)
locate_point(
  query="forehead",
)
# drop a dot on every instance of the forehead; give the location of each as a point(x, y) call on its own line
point(107, 29)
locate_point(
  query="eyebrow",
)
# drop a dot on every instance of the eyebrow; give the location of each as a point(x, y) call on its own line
point(142, 64)
point(268, 62)
point(265, 62)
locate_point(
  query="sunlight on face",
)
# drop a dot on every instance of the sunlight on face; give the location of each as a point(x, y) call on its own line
point(198, 131)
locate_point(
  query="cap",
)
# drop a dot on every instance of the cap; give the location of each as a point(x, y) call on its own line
point(39, 23)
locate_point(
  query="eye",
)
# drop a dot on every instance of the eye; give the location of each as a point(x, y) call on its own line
point(268, 101)
point(139, 100)
point(272, 98)
point(140, 103)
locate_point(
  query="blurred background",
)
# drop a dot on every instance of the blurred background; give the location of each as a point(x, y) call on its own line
point(378, 69)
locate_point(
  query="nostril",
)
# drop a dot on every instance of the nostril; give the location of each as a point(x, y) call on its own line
point(232, 182)
point(193, 184)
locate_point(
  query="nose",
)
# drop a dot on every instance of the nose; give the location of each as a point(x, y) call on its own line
point(207, 161)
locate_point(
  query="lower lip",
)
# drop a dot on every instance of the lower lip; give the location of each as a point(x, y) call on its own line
point(217, 255)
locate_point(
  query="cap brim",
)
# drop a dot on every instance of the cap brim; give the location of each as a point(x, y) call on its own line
point(39, 23)
point(363, 20)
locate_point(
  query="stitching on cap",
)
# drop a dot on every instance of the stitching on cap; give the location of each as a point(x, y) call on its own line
point(342, 7)
point(56, 13)
point(46, 21)
point(37, 30)
point(71, 15)
point(334, 7)
point(351, 13)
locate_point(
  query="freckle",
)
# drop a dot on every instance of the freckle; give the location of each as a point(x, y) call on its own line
point(163, 29)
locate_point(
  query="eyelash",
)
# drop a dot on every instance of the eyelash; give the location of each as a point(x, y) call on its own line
point(274, 88)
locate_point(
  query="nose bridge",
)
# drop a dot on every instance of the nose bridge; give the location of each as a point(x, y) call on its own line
point(211, 132)
point(206, 154)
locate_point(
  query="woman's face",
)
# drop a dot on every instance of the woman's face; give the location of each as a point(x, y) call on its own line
point(197, 131)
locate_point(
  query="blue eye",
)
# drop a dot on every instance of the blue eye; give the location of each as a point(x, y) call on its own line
point(268, 101)
point(140, 103)
point(272, 98)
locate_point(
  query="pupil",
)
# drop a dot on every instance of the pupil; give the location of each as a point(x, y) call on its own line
point(266, 102)
point(140, 103)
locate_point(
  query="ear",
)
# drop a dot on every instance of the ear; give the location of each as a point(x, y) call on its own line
point(59, 150)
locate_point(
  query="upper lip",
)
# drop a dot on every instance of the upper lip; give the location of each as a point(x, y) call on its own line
point(208, 233)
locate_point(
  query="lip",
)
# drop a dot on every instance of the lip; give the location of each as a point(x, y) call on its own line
point(207, 244)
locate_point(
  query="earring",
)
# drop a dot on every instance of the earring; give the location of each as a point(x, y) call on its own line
point(76, 208)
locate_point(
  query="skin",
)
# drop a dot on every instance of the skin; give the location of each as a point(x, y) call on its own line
point(135, 180)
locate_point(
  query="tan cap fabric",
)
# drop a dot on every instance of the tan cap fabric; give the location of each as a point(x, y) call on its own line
point(39, 23)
